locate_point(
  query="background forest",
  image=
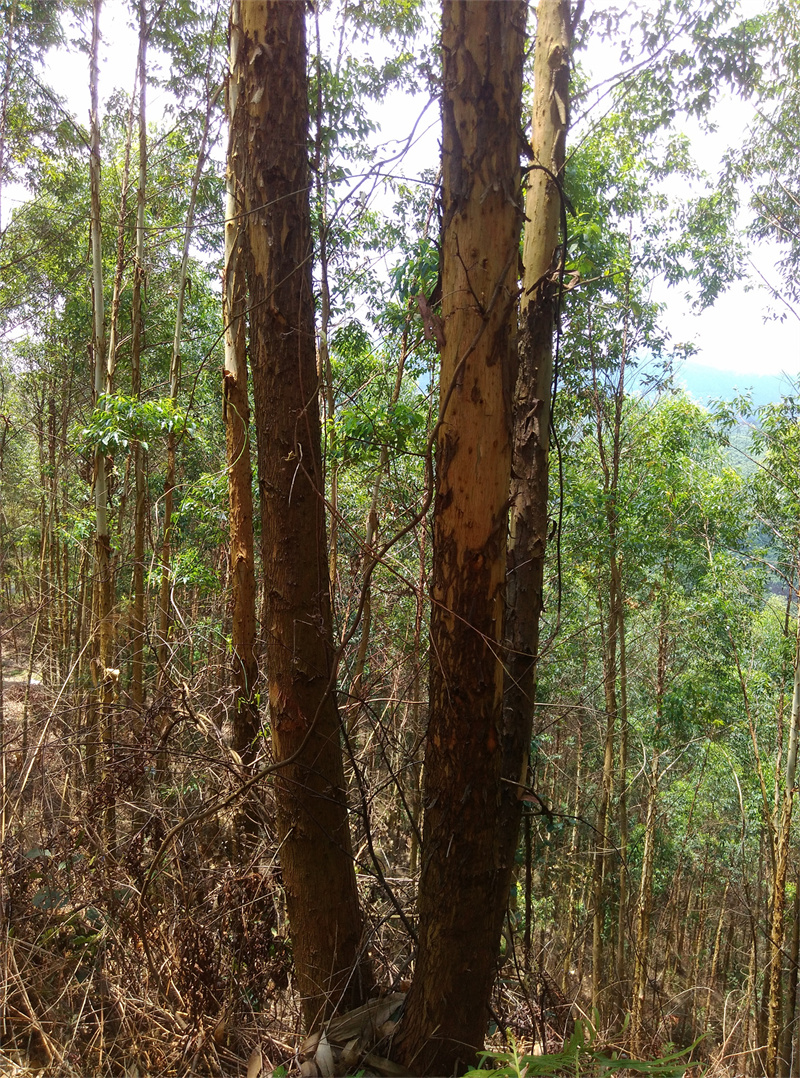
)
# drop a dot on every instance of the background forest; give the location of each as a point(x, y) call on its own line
point(654, 903)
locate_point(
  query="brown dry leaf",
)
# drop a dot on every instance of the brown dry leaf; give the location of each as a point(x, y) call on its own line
point(324, 1058)
point(309, 1045)
point(308, 1069)
point(383, 1066)
point(350, 1054)
point(255, 1063)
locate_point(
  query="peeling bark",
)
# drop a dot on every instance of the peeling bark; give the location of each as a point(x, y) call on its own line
point(269, 136)
point(447, 1007)
point(528, 521)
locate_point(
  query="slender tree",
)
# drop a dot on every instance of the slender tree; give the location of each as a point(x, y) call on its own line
point(103, 598)
point(137, 318)
point(778, 894)
point(269, 131)
point(528, 521)
point(236, 411)
point(164, 597)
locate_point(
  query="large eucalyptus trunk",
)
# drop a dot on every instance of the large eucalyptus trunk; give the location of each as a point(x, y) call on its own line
point(269, 130)
point(464, 854)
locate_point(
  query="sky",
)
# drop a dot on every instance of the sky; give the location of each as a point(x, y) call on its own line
point(740, 335)
point(748, 330)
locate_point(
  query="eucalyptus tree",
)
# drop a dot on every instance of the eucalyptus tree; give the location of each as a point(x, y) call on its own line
point(104, 581)
point(775, 443)
point(138, 621)
point(269, 128)
point(236, 413)
point(445, 1019)
point(544, 260)
point(206, 44)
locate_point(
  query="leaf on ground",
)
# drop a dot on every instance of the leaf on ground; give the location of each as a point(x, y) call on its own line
point(255, 1063)
point(324, 1058)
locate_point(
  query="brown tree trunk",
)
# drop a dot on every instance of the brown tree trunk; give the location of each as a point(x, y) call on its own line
point(101, 660)
point(5, 426)
point(645, 900)
point(622, 806)
point(785, 1062)
point(463, 857)
point(611, 631)
point(269, 130)
point(140, 487)
point(778, 892)
point(236, 412)
point(529, 475)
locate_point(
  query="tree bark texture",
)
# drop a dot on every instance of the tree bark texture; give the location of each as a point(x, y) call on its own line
point(137, 317)
point(236, 411)
point(528, 520)
point(99, 726)
point(447, 1007)
point(269, 129)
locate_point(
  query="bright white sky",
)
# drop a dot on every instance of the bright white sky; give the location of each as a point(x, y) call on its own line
point(748, 330)
point(737, 335)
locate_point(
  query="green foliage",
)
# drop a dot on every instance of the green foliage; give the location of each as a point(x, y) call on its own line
point(582, 1056)
point(118, 421)
point(419, 272)
point(362, 428)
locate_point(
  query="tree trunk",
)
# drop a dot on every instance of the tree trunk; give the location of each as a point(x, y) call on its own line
point(645, 902)
point(602, 848)
point(5, 425)
point(269, 129)
point(236, 412)
point(165, 588)
point(464, 856)
point(137, 317)
point(101, 660)
point(370, 539)
point(611, 633)
point(622, 804)
point(643, 911)
point(528, 519)
point(778, 896)
point(785, 1061)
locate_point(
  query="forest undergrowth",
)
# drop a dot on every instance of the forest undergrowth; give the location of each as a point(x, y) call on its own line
point(145, 921)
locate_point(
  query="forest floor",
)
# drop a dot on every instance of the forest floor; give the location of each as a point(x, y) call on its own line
point(138, 943)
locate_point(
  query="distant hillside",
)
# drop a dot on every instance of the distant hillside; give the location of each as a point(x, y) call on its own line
point(739, 449)
point(707, 383)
